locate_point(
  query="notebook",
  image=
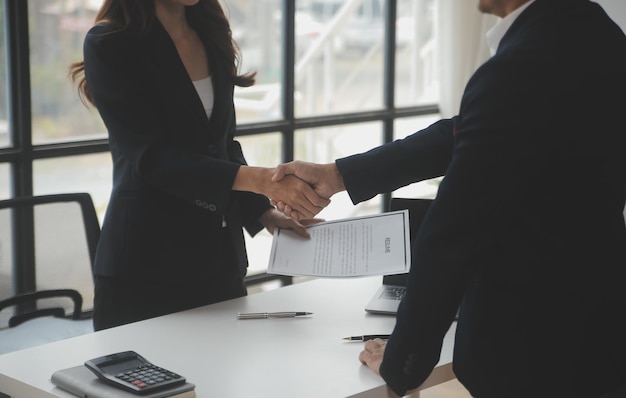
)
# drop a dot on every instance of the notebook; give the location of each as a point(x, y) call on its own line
point(392, 291)
point(79, 381)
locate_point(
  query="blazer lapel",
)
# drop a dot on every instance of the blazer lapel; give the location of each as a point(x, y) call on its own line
point(222, 89)
point(171, 73)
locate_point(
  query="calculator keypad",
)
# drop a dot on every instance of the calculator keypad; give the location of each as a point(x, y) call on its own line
point(147, 375)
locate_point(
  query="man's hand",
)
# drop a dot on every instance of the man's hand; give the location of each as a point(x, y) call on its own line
point(273, 219)
point(372, 355)
point(297, 194)
point(290, 190)
point(324, 178)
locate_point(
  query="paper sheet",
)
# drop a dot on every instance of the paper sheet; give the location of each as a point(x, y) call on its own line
point(359, 246)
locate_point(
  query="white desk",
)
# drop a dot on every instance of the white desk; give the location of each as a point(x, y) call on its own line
point(226, 357)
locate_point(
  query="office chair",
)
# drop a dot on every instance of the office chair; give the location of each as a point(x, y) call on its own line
point(47, 248)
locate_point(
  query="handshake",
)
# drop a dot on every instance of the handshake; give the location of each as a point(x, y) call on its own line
point(298, 189)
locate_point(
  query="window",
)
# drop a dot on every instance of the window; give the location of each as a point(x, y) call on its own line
point(256, 27)
point(339, 57)
point(5, 192)
point(79, 173)
point(416, 81)
point(56, 32)
point(4, 111)
point(328, 85)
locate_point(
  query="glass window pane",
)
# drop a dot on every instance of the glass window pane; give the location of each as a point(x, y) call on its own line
point(406, 126)
point(57, 30)
point(84, 173)
point(258, 249)
point(260, 150)
point(325, 144)
point(339, 56)
point(256, 27)
point(4, 90)
point(6, 239)
point(416, 54)
point(6, 260)
point(403, 128)
point(5, 181)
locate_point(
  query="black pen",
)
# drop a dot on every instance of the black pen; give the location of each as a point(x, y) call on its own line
point(366, 337)
point(265, 315)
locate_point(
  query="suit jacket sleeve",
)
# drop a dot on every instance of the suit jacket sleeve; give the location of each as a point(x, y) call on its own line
point(252, 205)
point(423, 155)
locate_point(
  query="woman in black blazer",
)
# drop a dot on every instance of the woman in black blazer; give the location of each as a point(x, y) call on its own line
point(161, 74)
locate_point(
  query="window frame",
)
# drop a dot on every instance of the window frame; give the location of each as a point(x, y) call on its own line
point(22, 154)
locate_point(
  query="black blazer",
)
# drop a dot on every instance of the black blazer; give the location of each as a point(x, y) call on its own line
point(527, 231)
point(173, 168)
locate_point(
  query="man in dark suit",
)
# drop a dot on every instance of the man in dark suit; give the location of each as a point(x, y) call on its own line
point(526, 234)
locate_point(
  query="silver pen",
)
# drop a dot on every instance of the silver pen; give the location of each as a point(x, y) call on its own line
point(265, 315)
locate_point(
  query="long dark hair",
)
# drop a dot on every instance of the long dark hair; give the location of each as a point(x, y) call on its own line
point(207, 17)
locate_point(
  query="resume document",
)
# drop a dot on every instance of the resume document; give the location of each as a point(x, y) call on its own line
point(358, 246)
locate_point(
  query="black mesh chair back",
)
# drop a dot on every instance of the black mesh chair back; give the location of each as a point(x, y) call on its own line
point(47, 248)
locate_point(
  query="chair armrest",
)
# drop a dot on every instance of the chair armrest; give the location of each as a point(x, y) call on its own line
point(42, 294)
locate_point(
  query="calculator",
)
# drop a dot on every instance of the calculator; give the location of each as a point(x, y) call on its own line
point(132, 372)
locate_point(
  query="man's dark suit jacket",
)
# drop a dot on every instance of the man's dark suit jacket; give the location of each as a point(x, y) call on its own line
point(173, 168)
point(527, 231)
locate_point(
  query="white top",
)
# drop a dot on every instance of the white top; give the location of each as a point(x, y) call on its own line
point(495, 34)
point(204, 87)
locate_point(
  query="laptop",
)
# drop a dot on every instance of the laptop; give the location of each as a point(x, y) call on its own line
point(392, 291)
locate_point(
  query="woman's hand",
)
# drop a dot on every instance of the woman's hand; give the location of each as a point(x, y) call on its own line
point(290, 190)
point(324, 179)
point(273, 219)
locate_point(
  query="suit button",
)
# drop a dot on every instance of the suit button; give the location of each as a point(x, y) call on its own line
point(410, 365)
point(202, 203)
point(212, 150)
point(212, 207)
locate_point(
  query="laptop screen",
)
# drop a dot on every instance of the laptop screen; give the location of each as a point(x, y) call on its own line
point(417, 210)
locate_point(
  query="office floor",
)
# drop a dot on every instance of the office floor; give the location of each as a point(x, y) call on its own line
point(451, 389)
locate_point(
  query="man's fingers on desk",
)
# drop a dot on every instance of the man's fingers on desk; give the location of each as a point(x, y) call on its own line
point(372, 360)
point(372, 354)
point(375, 345)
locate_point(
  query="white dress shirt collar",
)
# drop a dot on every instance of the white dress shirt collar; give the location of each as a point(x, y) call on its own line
point(495, 34)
